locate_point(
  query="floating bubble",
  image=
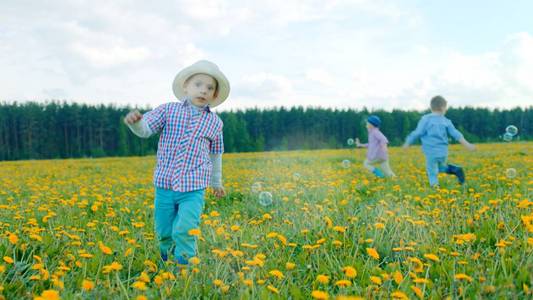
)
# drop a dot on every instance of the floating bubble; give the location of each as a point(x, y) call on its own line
point(512, 130)
point(265, 198)
point(510, 173)
point(507, 137)
point(346, 164)
point(350, 142)
point(296, 176)
point(256, 187)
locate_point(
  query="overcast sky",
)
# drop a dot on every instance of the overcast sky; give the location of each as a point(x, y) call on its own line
point(345, 54)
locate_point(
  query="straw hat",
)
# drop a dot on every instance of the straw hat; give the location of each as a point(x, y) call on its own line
point(203, 67)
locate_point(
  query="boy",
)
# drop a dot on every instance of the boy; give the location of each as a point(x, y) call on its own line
point(377, 149)
point(189, 155)
point(433, 130)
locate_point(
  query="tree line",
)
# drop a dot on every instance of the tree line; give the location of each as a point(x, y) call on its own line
point(69, 130)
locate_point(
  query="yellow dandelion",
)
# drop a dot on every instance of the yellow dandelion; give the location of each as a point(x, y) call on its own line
point(418, 292)
point(273, 289)
point(87, 285)
point(194, 260)
point(321, 295)
point(376, 280)
point(8, 259)
point(248, 282)
point(276, 273)
point(343, 283)
point(463, 277)
point(106, 250)
point(139, 285)
point(373, 253)
point(322, 279)
point(290, 266)
point(340, 229)
point(217, 282)
point(342, 297)
point(399, 295)
point(49, 295)
point(349, 271)
point(398, 277)
point(13, 238)
point(144, 277)
point(432, 257)
point(421, 280)
point(158, 280)
point(194, 232)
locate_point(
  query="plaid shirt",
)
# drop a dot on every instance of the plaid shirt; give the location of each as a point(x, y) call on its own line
point(188, 136)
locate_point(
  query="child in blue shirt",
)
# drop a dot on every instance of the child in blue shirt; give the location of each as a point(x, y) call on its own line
point(433, 130)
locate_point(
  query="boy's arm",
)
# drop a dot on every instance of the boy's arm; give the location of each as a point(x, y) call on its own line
point(140, 128)
point(458, 136)
point(358, 143)
point(417, 133)
point(216, 173)
point(466, 144)
point(156, 119)
point(216, 149)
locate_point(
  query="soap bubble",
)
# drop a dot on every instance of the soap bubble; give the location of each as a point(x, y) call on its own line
point(350, 142)
point(346, 164)
point(512, 130)
point(256, 187)
point(265, 198)
point(296, 176)
point(507, 137)
point(510, 173)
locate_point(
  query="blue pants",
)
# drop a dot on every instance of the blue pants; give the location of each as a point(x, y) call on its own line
point(434, 166)
point(175, 214)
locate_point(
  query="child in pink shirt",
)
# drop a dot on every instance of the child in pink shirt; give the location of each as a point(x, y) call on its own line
point(377, 149)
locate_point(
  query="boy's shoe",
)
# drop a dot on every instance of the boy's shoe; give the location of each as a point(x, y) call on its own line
point(457, 171)
point(164, 257)
point(378, 173)
point(180, 260)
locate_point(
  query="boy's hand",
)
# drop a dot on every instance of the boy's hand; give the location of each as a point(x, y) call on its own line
point(467, 145)
point(132, 117)
point(219, 192)
point(470, 147)
point(357, 142)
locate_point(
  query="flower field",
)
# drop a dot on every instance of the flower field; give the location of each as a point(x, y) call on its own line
point(83, 229)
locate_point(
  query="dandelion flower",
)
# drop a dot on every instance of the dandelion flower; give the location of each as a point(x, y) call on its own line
point(343, 283)
point(87, 285)
point(322, 279)
point(373, 253)
point(319, 295)
point(350, 272)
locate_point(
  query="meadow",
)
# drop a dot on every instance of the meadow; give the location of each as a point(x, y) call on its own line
point(83, 229)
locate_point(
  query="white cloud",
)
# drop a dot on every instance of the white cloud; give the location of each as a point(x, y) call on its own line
point(321, 76)
point(339, 53)
point(110, 56)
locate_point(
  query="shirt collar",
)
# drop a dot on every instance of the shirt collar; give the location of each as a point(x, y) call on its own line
point(187, 102)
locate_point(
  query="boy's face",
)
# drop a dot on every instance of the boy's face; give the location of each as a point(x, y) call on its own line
point(201, 88)
point(369, 126)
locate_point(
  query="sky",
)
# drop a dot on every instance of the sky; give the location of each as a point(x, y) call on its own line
point(338, 54)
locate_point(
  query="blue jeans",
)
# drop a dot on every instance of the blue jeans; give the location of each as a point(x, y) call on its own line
point(175, 214)
point(434, 166)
